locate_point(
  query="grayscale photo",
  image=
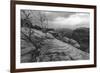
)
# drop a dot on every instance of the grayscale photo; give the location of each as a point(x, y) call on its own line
point(50, 36)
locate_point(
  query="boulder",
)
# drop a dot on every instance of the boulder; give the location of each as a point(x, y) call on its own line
point(74, 43)
point(38, 33)
point(49, 36)
point(65, 39)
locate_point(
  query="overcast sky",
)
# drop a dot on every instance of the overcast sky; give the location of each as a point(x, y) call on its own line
point(60, 19)
point(68, 19)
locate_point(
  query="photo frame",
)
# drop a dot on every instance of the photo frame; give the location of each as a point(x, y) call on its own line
point(52, 36)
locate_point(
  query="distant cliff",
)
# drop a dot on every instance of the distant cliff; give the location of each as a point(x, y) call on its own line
point(81, 35)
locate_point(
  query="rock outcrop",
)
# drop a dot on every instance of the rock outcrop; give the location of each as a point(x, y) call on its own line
point(63, 51)
point(51, 49)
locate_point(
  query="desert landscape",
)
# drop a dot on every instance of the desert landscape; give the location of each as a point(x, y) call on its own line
point(54, 36)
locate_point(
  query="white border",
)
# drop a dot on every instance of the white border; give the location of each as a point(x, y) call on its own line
point(53, 64)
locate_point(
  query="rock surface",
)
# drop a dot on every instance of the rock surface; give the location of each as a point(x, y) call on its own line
point(69, 51)
point(52, 49)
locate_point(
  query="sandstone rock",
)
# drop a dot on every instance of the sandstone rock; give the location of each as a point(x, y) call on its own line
point(70, 51)
point(52, 49)
point(49, 36)
point(74, 43)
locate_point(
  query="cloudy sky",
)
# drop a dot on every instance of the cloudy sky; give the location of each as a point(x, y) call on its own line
point(58, 19)
point(68, 19)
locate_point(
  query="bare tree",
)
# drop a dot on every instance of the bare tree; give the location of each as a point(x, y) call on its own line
point(43, 20)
